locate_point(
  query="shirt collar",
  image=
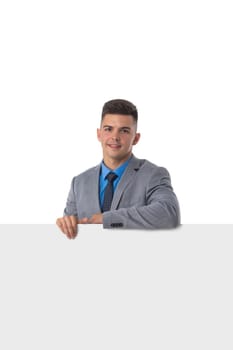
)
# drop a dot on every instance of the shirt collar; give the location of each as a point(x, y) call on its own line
point(118, 171)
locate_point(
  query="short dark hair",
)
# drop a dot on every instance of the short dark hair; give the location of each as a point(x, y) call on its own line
point(120, 106)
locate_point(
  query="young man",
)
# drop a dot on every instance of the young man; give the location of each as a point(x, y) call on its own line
point(122, 191)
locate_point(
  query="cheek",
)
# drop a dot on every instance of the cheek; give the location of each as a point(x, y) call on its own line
point(128, 141)
point(103, 139)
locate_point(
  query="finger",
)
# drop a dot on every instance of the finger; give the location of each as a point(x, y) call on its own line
point(69, 229)
point(60, 224)
point(74, 223)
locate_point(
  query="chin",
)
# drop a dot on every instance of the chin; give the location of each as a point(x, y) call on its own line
point(115, 156)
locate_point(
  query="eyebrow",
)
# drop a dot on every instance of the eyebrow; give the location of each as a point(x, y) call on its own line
point(122, 127)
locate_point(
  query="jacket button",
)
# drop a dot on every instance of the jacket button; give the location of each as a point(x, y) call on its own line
point(117, 224)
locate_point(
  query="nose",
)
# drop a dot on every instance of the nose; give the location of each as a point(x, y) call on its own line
point(116, 135)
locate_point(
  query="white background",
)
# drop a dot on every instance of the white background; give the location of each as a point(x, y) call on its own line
point(61, 60)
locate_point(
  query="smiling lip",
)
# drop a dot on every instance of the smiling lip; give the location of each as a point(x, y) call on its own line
point(114, 146)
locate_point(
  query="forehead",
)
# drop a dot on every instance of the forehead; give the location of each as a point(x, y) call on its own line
point(118, 120)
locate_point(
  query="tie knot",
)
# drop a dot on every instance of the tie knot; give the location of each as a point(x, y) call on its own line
point(111, 177)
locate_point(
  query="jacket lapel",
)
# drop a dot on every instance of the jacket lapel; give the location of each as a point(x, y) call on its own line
point(127, 177)
point(95, 203)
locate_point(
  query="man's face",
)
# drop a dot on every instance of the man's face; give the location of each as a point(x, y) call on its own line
point(117, 135)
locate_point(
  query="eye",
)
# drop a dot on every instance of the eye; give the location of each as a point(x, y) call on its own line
point(107, 128)
point(125, 131)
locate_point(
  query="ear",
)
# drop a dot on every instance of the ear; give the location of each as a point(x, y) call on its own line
point(137, 138)
point(98, 135)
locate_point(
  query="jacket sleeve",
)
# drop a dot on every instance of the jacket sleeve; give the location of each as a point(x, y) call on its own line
point(160, 211)
point(71, 208)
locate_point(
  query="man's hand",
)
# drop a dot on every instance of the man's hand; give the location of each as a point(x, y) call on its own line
point(94, 219)
point(68, 225)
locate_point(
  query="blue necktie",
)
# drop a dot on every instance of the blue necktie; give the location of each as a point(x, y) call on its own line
point(108, 193)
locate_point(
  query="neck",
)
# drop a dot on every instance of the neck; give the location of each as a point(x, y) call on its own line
point(115, 163)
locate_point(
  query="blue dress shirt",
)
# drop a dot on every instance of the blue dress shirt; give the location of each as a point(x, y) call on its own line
point(103, 181)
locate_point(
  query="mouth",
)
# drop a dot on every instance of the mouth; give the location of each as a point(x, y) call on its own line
point(114, 146)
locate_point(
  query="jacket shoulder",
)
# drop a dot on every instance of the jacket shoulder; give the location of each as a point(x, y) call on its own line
point(152, 168)
point(87, 174)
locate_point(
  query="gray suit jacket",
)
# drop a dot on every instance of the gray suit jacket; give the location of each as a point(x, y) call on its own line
point(144, 198)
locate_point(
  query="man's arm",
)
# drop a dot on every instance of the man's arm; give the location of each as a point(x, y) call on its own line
point(161, 209)
point(68, 224)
